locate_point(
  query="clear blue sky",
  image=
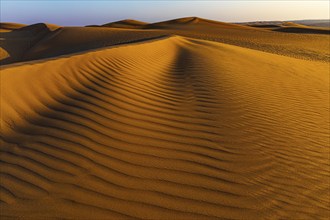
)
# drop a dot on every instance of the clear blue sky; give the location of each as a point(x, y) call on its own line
point(77, 12)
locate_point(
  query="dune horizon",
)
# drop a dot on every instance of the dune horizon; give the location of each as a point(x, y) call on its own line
point(145, 21)
point(188, 118)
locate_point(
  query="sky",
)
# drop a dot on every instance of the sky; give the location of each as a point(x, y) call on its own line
point(77, 12)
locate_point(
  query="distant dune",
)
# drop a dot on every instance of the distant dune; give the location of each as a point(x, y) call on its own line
point(312, 23)
point(316, 23)
point(290, 27)
point(193, 119)
point(194, 20)
point(66, 40)
point(303, 30)
point(128, 23)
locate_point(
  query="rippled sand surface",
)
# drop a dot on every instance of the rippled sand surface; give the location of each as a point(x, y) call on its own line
point(169, 127)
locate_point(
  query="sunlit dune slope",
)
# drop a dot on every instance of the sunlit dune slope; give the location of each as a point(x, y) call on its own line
point(172, 128)
point(309, 23)
point(305, 46)
point(194, 21)
point(127, 23)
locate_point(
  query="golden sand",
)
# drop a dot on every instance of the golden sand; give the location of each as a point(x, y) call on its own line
point(169, 127)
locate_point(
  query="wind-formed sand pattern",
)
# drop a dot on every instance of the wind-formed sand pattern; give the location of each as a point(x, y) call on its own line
point(166, 127)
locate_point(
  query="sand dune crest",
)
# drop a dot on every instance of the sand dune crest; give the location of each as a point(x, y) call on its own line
point(168, 128)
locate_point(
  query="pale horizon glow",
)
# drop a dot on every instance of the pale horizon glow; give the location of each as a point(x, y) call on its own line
point(74, 13)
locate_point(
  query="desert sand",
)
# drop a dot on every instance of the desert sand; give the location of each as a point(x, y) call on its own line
point(183, 119)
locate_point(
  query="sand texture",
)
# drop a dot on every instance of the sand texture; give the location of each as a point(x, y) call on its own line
point(158, 125)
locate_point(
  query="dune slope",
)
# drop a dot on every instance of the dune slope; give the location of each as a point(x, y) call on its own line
point(127, 23)
point(15, 42)
point(78, 39)
point(303, 30)
point(174, 128)
point(308, 43)
point(7, 26)
point(290, 27)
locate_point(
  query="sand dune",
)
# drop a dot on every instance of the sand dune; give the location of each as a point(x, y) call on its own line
point(303, 30)
point(183, 119)
point(76, 39)
point(187, 21)
point(169, 128)
point(310, 23)
point(316, 23)
point(6, 26)
point(270, 26)
point(67, 40)
point(291, 27)
point(127, 23)
point(16, 42)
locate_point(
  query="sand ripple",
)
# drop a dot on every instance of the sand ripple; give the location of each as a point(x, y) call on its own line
point(174, 128)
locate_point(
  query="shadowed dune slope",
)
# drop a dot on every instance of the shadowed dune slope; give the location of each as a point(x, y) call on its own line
point(76, 39)
point(270, 26)
point(7, 26)
point(303, 30)
point(15, 43)
point(174, 128)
